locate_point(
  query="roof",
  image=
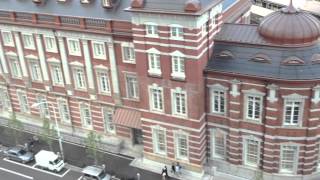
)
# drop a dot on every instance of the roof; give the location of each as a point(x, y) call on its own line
point(128, 118)
point(242, 63)
point(71, 8)
point(92, 170)
point(173, 6)
point(260, 10)
point(48, 154)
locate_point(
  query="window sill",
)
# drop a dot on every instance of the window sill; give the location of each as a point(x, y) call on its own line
point(71, 54)
point(81, 89)
point(131, 99)
point(58, 85)
point(100, 57)
point(176, 38)
point(180, 115)
point(253, 121)
point(129, 61)
point(30, 48)
point(105, 94)
point(156, 111)
point(297, 126)
point(52, 51)
point(9, 45)
point(178, 77)
point(154, 74)
point(152, 35)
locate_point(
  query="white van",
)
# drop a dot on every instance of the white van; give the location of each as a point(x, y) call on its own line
point(49, 160)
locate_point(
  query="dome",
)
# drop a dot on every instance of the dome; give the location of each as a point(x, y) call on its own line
point(290, 26)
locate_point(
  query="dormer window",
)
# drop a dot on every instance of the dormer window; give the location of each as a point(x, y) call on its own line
point(62, 1)
point(315, 59)
point(38, 1)
point(85, 1)
point(293, 60)
point(261, 58)
point(106, 3)
point(225, 54)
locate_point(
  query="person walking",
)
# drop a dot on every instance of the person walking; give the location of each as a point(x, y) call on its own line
point(173, 168)
point(178, 169)
point(166, 171)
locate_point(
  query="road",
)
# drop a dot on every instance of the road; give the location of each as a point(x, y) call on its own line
point(116, 164)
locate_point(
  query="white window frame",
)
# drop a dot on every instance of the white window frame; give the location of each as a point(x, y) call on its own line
point(245, 151)
point(76, 49)
point(293, 98)
point(64, 111)
point(84, 118)
point(28, 41)
point(50, 44)
point(177, 135)
point(109, 126)
point(176, 32)
point(160, 104)
point(43, 106)
point(57, 76)
point(291, 123)
point(154, 62)
point(23, 101)
point(294, 162)
point(35, 70)
point(254, 94)
point(178, 60)
point(155, 138)
point(7, 38)
point(79, 81)
point(219, 89)
point(5, 102)
point(214, 145)
point(103, 75)
point(131, 57)
point(174, 104)
point(101, 48)
point(14, 63)
point(151, 29)
point(132, 86)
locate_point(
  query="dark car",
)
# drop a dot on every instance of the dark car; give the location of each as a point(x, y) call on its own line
point(19, 154)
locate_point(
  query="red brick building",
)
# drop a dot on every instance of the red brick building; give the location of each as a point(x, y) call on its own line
point(130, 70)
point(263, 97)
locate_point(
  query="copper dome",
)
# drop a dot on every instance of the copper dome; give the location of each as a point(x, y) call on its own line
point(290, 26)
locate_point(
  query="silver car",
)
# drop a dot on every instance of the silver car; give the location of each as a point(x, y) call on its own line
point(19, 154)
point(94, 173)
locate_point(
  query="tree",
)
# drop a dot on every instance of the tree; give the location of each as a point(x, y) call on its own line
point(92, 142)
point(48, 133)
point(15, 127)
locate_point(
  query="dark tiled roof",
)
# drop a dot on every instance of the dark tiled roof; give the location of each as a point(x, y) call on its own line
point(241, 63)
point(71, 8)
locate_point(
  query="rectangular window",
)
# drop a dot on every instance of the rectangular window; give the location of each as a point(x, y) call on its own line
point(64, 111)
point(182, 146)
point(50, 44)
point(23, 101)
point(151, 30)
point(5, 104)
point(86, 116)
point(254, 108)
point(218, 102)
point(104, 83)
point(15, 67)
point(108, 123)
point(28, 41)
point(252, 152)
point(99, 51)
point(176, 32)
point(79, 78)
point(159, 141)
point(74, 47)
point(218, 144)
point(7, 38)
point(35, 71)
point(43, 107)
point(156, 98)
point(132, 87)
point(178, 67)
point(204, 29)
point(128, 53)
point(179, 102)
point(289, 159)
point(56, 74)
point(154, 64)
point(292, 112)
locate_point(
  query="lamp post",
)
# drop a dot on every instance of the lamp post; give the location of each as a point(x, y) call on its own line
point(56, 123)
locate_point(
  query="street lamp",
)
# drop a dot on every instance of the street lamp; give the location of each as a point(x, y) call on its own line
point(56, 122)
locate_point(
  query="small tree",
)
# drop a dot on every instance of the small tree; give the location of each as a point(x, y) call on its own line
point(48, 133)
point(92, 142)
point(15, 127)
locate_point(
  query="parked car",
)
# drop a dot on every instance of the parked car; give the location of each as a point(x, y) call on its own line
point(94, 173)
point(49, 160)
point(18, 153)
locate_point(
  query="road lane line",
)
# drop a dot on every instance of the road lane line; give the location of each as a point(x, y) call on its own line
point(37, 169)
point(16, 173)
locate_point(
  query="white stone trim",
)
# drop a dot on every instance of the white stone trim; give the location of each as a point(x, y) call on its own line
point(65, 65)
point(87, 60)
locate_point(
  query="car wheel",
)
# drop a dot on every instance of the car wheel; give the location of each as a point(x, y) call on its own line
point(23, 161)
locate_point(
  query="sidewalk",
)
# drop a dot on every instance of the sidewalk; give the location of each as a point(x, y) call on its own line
point(185, 174)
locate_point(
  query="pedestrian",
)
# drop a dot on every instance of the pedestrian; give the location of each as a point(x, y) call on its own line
point(166, 171)
point(173, 168)
point(178, 169)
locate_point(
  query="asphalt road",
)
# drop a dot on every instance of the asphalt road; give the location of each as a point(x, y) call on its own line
point(116, 164)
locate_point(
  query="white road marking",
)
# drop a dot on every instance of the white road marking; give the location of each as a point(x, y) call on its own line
point(16, 173)
point(37, 169)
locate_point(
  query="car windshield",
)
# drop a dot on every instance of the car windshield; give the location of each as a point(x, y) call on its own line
point(102, 175)
point(22, 152)
point(57, 161)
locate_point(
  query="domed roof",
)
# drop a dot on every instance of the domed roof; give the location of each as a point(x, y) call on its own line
point(290, 26)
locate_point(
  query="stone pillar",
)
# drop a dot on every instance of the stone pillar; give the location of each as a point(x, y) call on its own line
point(65, 65)
point(22, 59)
point(4, 65)
point(43, 64)
point(89, 70)
point(114, 74)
